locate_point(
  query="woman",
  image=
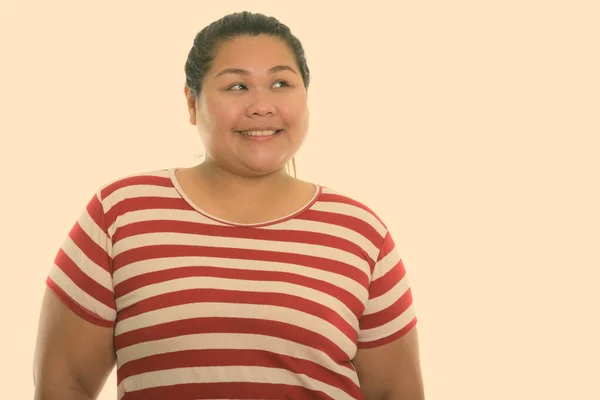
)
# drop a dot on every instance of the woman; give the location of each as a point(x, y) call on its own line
point(231, 279)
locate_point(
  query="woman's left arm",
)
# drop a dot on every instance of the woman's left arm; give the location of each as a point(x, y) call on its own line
point(391, 371)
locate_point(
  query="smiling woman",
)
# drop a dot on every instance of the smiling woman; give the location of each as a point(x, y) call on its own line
point(255, 88)
point(232, 278)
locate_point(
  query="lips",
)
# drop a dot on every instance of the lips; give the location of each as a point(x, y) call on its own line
point(260, 132)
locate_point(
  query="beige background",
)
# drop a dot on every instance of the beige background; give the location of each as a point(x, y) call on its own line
point(471, 127)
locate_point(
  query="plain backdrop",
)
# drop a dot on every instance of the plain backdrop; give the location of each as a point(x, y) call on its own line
point(471, 127)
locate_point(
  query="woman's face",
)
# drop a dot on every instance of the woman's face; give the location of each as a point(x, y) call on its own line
point(252, 111)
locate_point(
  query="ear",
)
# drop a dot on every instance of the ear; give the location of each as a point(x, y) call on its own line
point(191, 104)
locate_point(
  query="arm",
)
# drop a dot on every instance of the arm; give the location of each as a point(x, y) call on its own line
point(73, 357)
point(75, 344)
point(387, 360)
point(391, 371)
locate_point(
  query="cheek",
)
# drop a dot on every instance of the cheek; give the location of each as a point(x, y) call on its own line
point(297, 118)
point(296, 115)
point(220, 116)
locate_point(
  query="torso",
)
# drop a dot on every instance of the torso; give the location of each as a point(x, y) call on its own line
point(211, 309)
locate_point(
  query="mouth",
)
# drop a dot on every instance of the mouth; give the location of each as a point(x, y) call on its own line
point(260, 132)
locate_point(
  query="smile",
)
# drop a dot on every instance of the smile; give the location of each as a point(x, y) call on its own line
point(261, 133)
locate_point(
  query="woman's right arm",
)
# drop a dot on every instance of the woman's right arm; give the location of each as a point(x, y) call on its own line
point(73, 357)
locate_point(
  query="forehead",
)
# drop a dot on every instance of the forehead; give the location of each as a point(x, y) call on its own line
point(253, 52)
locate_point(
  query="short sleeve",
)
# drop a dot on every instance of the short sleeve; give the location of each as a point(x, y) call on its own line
point(389, 312)
point(82, 275)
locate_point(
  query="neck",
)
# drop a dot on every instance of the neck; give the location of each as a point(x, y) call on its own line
point(251, 188)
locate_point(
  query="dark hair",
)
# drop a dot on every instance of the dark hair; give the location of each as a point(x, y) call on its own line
point(208, 40)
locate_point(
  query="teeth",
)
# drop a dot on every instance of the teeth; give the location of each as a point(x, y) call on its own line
point(258, 133)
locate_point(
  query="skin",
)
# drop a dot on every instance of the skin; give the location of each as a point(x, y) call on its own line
point(253, 82)
point(240, 180)
point(254, 172)
point(73, 357)
point(391, 371)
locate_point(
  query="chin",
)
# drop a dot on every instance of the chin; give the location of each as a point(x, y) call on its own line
point(262, 168)
point(258, 172)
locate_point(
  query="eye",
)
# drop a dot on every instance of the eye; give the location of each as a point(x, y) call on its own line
point(282, 83)
point(237, 86)
point(240, 86)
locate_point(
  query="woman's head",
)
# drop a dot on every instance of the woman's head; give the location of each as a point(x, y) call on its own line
point(247, 72)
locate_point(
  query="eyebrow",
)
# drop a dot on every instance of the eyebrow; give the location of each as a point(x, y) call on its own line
point(240, 71)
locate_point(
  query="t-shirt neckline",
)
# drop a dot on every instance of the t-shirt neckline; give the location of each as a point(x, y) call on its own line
point(304, 208)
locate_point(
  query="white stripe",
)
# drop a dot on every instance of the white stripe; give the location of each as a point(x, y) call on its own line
point(161, 173)
point(168, 238)
point(232, 341)
point(385, 265)
point(158, 214)
point(84, 263)
point(395, 325)
point(232, 374)
point(95, 232)
point(86, 301)
point(352, 211)
point(272, 288)
point(138, 191)
point(390, 297)
point(293, 224)
point(328, 190)
point(260, 312)
point(163, 264)
point(328, 229)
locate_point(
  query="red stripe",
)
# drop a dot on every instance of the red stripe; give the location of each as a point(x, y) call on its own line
point(199, 296)
point(83, 281)
point(386, 247)
point(388, 314)
point(162, 181)
point(389, 339)
point(235, 357)
point(162, 251)
point(345, 221)
point(338, 198)
point(385, 283)
point(76, 307)
point(96, 213)
point(287, 236)
point(139, 281)
point(145, 203)
point(227, 390)
point(193, 326)
point(90, 248)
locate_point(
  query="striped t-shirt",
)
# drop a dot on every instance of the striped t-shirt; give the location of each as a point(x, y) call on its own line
point(203, 308)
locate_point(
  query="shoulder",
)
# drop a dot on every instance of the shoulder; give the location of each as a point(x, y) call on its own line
point(135, 182)
point(132, 185)
point(358, 213)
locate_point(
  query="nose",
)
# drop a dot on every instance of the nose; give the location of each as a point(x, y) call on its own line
point(260, 105)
